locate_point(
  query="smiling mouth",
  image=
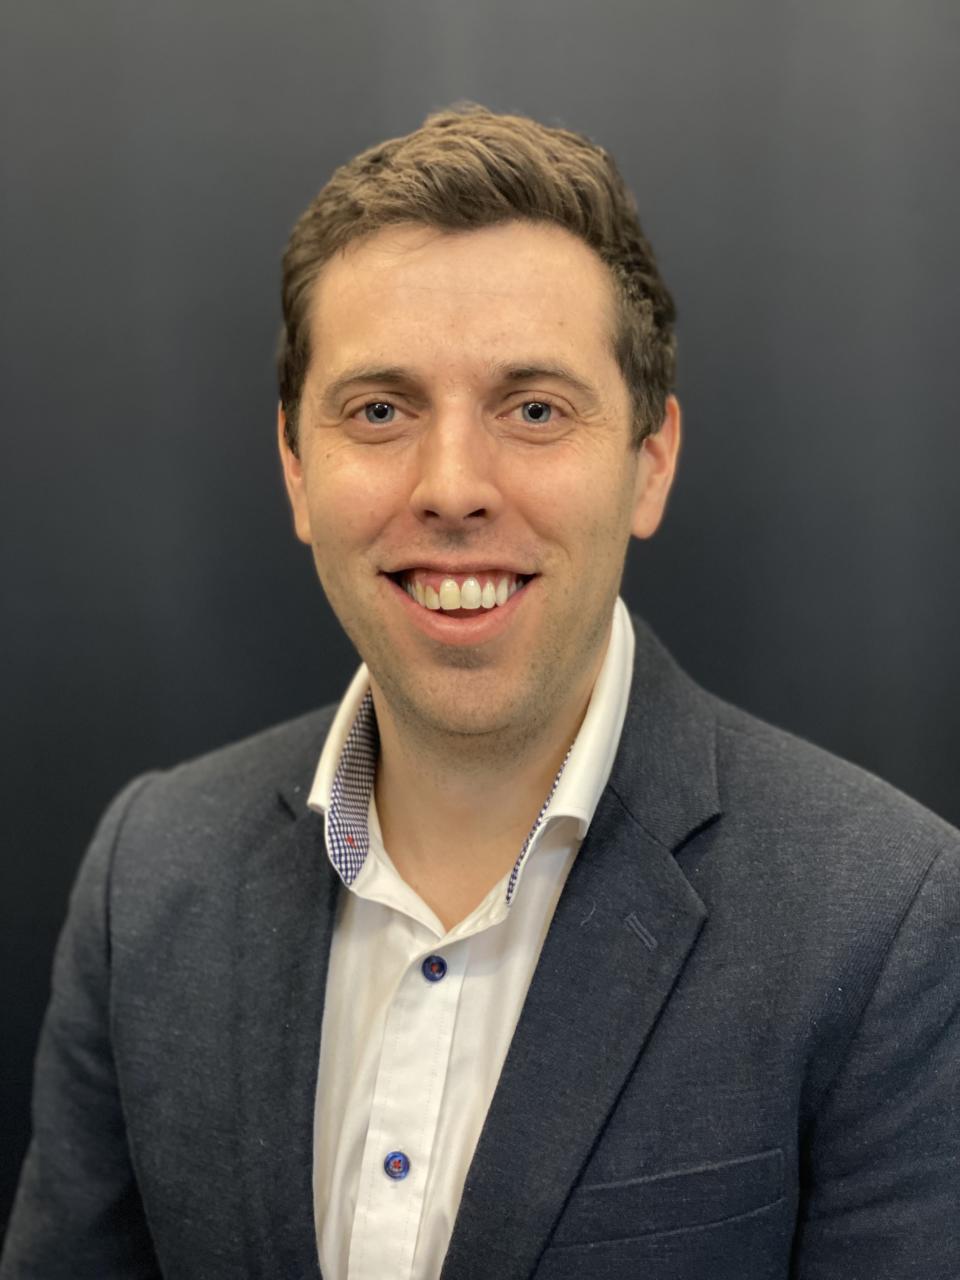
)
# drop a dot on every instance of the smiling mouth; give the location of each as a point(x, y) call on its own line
point(460, 593)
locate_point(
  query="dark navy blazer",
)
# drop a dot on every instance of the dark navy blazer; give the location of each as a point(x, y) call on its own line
point(738, 1059)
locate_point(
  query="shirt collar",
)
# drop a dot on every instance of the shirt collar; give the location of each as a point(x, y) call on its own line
point(344, 778)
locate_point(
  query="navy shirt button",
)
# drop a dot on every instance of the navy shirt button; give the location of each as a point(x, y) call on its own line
point(434, 967)
point(397, 1165)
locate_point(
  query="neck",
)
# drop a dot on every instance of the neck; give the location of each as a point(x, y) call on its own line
point(455, 810)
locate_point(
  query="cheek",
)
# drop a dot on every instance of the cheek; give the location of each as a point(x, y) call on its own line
point(349, 503)
point(588, 509)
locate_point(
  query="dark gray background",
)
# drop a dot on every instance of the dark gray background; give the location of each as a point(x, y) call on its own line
point(796, 169)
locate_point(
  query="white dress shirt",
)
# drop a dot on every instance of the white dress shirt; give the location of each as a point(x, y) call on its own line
point(417, 1019)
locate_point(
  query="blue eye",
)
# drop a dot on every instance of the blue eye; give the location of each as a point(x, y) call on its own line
point(542, 411)
point(384, 412)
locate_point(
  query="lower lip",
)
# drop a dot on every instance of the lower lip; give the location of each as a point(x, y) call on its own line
point(475, 627)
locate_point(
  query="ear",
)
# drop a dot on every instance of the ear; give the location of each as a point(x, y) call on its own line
point(655, 471)
point(293, 479)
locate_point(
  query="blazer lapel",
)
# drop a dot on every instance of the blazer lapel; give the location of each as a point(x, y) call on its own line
point(625, 924)
point(286, 907)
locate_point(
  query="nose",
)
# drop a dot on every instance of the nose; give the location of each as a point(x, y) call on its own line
point(456, 484)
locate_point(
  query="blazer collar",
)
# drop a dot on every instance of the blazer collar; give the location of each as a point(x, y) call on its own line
point(665, 772)
point(285, 903)
point(284, 900)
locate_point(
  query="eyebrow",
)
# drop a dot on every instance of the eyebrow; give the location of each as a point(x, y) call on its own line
point(553, 369)
point(505, 373)
point(385, 375)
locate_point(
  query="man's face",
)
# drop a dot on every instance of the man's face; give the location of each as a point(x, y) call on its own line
point(463, 417)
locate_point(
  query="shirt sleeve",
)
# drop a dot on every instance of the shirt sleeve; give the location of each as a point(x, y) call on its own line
point(78, 1213)
point(881, 1174)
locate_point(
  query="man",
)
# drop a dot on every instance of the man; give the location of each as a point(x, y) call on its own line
point(531, 958)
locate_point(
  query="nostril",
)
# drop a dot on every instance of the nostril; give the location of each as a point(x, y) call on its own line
point(480, 513)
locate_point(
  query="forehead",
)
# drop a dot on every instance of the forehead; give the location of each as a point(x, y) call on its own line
point(464, 299)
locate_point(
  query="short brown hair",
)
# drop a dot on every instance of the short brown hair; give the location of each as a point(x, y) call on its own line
point(467, 167)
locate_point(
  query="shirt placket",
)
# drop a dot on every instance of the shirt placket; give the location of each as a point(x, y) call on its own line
point(399, 1147)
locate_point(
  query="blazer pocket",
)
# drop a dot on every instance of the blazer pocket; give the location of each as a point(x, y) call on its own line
point(674, 1201)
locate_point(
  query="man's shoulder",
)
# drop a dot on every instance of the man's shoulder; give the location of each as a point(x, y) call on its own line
point(281, 757)
point(828, 834)
point(225, 794)
point(173, 840)
point(771, 787)
point(770, 769)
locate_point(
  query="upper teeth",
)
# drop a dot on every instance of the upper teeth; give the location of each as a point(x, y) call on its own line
point(472, 593)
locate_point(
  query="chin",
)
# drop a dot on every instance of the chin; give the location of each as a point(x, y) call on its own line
point(461, 713)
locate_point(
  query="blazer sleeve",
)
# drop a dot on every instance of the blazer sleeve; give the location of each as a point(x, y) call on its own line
point(881, 1198)
point(77, 1212)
